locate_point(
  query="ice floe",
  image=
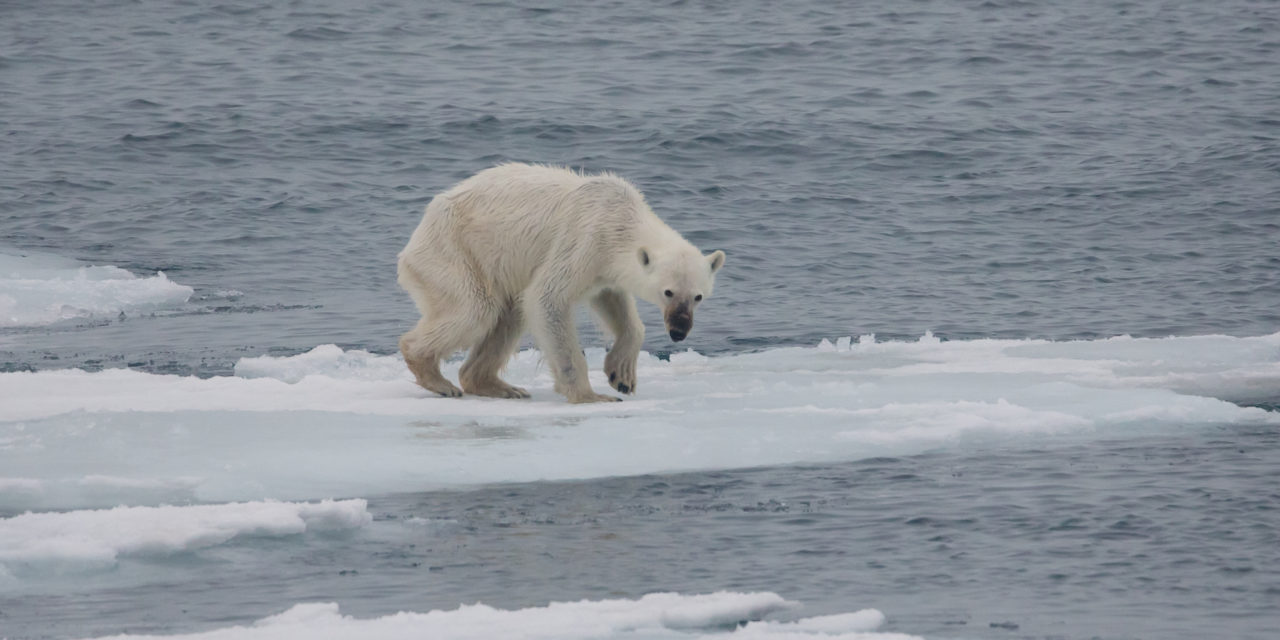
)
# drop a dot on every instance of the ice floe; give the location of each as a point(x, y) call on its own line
point(331, 423)
point(79, 541)
point(656, 616)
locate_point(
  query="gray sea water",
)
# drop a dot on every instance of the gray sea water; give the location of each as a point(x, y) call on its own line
point(975, 168)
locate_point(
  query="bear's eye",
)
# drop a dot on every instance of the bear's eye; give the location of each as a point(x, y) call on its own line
point(697, 298)
point(668, 293)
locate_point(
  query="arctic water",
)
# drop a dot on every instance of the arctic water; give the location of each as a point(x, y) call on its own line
point(995, 352)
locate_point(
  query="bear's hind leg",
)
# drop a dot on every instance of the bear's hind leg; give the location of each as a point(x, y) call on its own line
point(452, 327)
point(479, 375)
point(424, 362)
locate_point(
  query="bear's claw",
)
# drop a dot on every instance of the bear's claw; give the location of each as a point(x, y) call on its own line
point(450, 392)
point(621, 383)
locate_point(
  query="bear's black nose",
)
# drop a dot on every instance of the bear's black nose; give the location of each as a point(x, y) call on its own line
point(678, 335)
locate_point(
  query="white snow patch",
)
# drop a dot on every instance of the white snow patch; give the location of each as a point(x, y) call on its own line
point(657, 616)
point(79, 541)
point(38, 290)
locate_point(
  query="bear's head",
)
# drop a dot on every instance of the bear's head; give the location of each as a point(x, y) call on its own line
point(677, 281)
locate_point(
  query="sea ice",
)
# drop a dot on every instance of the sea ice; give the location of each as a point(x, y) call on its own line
point(333, 423)
point(656, 616)
point(79, 541)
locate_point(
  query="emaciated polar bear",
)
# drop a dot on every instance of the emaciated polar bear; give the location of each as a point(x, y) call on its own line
point(520, 244)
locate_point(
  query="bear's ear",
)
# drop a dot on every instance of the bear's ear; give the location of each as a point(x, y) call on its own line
point(716, 260)
point(643, 255)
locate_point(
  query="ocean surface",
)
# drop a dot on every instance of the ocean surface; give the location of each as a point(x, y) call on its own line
point(995, 352)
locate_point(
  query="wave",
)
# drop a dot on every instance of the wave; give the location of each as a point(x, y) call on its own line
point(38, 290)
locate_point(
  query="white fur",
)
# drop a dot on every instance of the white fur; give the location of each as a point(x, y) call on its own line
point(520, 244)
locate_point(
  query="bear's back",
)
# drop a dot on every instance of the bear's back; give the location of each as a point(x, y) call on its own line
point(529, 198)
point(518, 180)
point(508, 221)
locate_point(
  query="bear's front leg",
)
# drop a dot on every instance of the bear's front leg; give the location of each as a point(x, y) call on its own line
point(550, 318)
point(617, 310)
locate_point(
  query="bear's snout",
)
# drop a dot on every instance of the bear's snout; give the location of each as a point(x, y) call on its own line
point(679, 324)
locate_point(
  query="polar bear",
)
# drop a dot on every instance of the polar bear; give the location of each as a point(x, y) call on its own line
point(522, 244)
